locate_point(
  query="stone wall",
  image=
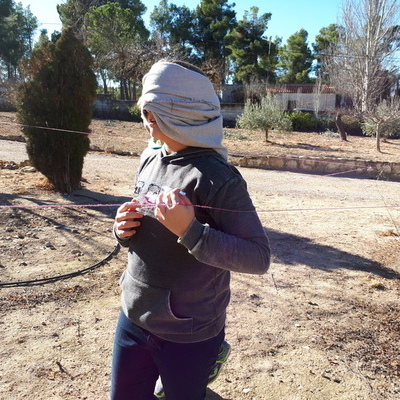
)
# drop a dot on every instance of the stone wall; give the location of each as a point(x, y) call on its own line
point(230, 112)
point(338, 166)
point(105, 107)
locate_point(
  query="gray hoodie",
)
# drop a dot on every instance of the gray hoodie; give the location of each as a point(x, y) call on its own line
point(178, 288)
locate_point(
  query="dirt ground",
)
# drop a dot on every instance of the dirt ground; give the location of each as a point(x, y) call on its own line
point(322, 324)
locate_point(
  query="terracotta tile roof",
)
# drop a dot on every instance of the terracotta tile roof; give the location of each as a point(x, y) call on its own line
point(299, 88)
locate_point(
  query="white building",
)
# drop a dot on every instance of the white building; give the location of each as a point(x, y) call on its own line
point(313, 97)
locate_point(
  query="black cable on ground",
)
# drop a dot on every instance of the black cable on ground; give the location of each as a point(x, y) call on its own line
point(52, 279)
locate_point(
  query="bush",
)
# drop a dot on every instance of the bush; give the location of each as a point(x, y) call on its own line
point(58, 93)
point(390, 129)
point(265, 115)
point(352, 126)
point(307, 122)
point(326, 124)
point(235, 135)
point(303, 122)
point(136, 114)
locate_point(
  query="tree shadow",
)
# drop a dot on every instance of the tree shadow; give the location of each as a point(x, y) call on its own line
point(56, 220)
point(286, 248)
point(290, 249)
point(63, 213)
point(107, 204)
point(393, 143)
point(104, 203)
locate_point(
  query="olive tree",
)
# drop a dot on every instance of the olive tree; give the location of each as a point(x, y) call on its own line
point(267, 114)
point(384, 121)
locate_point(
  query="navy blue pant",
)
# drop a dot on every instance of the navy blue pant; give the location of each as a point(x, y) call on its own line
point(139, 358)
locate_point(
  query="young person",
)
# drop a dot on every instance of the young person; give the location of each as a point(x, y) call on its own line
point(190, 224)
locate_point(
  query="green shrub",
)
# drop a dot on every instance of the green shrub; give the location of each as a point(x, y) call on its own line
point(303, 122)
point(235, 135)
point(352, 126)
point(326, 124)
point(390, 129)
point(136, 114)
point(265, 115)
point(59, 94)
point(329, 133)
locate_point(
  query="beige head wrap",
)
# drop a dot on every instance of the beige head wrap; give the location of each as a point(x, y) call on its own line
point(184, 104)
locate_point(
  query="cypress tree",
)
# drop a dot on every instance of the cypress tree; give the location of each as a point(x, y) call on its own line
point(58, 92)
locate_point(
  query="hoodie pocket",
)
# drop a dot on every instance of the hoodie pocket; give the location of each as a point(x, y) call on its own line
point(150, 307)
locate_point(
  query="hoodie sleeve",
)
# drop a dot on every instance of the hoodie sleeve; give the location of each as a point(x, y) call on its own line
point(238, 241)
point(123, 242)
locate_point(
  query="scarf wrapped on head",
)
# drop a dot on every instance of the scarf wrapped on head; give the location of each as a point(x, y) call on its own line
point(185, 106)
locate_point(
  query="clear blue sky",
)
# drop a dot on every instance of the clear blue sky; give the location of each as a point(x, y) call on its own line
point(288, 16)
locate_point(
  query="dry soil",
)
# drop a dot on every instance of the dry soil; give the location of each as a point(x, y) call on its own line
point(322, 324)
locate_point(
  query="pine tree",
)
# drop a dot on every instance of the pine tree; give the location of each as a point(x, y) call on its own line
point(253, 55)
point(296, 59)
point(58, 93)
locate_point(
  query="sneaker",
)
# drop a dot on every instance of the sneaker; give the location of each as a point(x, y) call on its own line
point(223, 355)
point(159, 389)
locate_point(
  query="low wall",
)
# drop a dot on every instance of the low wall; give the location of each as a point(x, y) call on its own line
point(339, 166)
point(106, 108)
point(230, 112)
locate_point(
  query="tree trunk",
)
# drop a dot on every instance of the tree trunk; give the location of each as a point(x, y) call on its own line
point(121, 90)
point(134, 90)
point(378, 137)
point(124, 89)
point(104, 79)
point(340, 126)
point(266, 135)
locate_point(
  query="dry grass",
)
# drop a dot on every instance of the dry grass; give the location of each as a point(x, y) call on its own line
point(131, 138)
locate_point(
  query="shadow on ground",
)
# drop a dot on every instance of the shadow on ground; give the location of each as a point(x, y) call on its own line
point(286, 248)
point(104, 203)
point(292, 249)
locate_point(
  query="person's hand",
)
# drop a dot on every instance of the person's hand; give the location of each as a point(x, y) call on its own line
point(175, 211)
point(126, 219)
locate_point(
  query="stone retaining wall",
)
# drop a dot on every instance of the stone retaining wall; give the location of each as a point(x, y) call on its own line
point(326, 166)
point(337, 166)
